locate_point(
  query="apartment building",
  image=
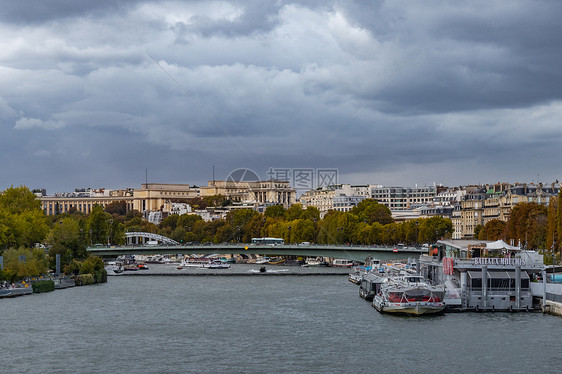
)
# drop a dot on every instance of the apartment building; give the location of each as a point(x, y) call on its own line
point(270, 192)
point(482, 204)
point(404, 198)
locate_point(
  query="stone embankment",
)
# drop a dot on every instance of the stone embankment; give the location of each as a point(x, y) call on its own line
point(553, 308)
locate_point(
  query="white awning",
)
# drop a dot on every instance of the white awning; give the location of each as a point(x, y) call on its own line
point(500, 244)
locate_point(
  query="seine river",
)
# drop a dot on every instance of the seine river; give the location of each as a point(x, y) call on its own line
point(258, 324)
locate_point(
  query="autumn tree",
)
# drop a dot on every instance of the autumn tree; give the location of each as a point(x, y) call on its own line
point(494, 229)
point(527, 224)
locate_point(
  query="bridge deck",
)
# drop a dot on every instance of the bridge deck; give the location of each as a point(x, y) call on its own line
point(351, 252)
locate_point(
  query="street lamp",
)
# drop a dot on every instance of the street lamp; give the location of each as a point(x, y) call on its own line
point(109, 231)
point(289, 228)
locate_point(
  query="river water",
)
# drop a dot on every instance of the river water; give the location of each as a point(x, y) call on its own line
point(258, 324)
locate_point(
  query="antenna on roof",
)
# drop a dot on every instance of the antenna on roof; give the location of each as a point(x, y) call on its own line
point(213, 175)
point(146, 177)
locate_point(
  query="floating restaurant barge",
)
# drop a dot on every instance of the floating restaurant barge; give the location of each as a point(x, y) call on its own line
point(479, 276)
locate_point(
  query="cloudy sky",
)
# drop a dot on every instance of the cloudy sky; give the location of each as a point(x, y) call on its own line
point(93, 93)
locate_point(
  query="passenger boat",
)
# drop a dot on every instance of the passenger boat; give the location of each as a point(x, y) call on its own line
point(194, 263)
point(113, 268)
point(315, 261)
point(339, 262)
point(409, 295)
point(217, 265)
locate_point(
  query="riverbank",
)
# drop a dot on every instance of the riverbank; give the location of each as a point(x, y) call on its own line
point(553, 308)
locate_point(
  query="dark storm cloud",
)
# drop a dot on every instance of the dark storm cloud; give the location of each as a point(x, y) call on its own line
point(30, 12)
point(390, 92)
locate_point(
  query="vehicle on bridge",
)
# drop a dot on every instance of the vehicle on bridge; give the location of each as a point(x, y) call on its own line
point(271, 241)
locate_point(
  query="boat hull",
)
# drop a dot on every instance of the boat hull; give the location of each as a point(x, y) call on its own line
point(409, 308)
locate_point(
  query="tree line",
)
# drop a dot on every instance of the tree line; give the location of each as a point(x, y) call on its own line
point(23, 226)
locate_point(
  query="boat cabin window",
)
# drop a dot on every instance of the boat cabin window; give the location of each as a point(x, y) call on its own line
point(414, 279)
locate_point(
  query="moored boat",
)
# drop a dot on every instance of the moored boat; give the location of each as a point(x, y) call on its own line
point(401, 296)
point(113, 268)
point(342, 262)
point(315, 261)
point(276, 261)
point(262, 260)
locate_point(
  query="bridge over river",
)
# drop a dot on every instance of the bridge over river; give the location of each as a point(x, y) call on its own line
point(351, 252)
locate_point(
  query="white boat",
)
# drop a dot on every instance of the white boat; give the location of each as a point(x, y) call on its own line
point(194, 263)
point(358, 273)
point(262, 260)
point(113, 268)
point(315, 261)
point(342, 262)
point(217, 265)
point(409, 295)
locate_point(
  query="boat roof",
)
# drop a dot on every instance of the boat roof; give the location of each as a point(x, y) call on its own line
point(503, 274)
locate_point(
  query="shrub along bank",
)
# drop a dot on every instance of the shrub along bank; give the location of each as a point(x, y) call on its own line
point(43, 286)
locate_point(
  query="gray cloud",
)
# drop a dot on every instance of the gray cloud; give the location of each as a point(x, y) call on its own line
point(387, 92)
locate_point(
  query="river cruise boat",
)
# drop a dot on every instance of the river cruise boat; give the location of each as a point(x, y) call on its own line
point(217, 265)
point(194, 262)
point(410, 296)
point(483, 275)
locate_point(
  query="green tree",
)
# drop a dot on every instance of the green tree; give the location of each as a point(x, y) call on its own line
point(255, 228)
point(302, 230)
point(294, 212)
point(98, 225)
point(117, 207)
point(371, 211)
point(170, 222)
point(66, 239)
point(434, 228)
point(35, 262)
point(30, 227)
point(274, 211)
point(214, 201)
point(312, 213)
point(17, 200)
point(238, 219)
point(6, 228)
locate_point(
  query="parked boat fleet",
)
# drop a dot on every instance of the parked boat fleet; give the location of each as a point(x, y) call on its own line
point(455, 278)
point(134, 263)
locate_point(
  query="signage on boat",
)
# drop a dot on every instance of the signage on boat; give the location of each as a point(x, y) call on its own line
point(498, 261)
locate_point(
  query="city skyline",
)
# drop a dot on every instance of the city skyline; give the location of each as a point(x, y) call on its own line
point(391, 93)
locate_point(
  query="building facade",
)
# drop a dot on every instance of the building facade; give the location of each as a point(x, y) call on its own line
point(404, 198)
point(270, 192)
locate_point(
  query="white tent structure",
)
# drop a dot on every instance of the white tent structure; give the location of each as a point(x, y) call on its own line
point(500, 244)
